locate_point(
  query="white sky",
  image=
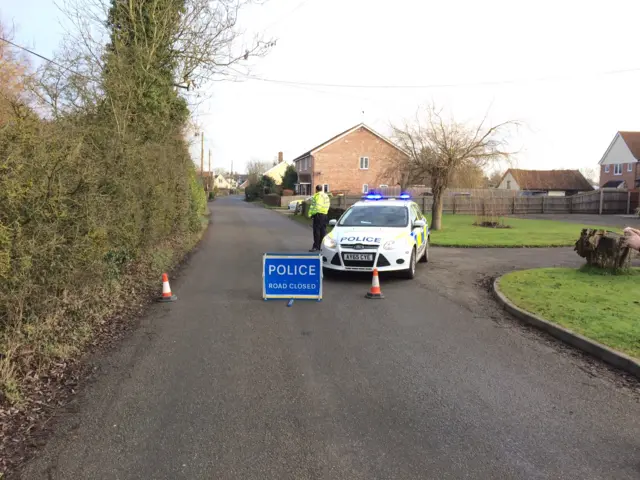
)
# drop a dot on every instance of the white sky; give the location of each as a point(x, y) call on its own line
point(570, 118)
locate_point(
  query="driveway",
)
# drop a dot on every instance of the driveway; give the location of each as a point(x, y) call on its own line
point(430, 383)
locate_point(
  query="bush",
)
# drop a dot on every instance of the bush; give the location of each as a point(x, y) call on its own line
point(252, 193)
point(258, 190)
point(272, 200)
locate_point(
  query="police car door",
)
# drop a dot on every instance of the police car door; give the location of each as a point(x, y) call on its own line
point(417, 232)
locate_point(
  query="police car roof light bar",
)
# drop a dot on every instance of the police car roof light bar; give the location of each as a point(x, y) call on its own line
point(373, 196)
point(405, 196)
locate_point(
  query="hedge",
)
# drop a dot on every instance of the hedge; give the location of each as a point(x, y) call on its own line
point(271, 199)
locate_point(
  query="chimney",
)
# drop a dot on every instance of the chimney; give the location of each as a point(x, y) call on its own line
point(279, 157)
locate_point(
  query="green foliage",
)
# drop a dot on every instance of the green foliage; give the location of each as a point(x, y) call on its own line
point(95, 204)
point(255, 191)
point(593, 302)
point(290, 178)
point(460, 231)
point(140, 65)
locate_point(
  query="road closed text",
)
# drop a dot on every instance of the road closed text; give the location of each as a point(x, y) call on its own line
point(293, 271)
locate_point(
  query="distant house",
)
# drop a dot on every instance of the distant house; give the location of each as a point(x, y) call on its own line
point(353, 161)
point(558, 183)
point(619, 167)
point(220, 182)
point(276, 172)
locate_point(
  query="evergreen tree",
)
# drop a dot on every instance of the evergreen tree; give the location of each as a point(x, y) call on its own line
point(290, 178)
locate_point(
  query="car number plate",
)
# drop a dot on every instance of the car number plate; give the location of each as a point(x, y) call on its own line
point(363, 257)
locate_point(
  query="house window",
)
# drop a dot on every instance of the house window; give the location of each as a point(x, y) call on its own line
point(384, 186)
point(630, 167)
point(365, 188)
point(508, 184)
point(617, 169)
point(325, 188)
point(364, 163)
point(606, 169)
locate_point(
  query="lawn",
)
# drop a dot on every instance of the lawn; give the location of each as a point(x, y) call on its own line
point(459, 231)
point(603, 307)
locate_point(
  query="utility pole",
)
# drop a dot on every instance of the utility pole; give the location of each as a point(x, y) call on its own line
point(202, 155)
point(210, 173)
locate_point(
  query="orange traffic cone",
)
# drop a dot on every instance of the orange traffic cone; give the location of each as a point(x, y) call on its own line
point(167, 296)
point(375, 291)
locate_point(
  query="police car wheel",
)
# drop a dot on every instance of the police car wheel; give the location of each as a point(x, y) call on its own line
point(410, 272)
point(425, 255)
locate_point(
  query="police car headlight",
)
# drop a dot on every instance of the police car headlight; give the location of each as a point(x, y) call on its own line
point(329, 242)
point(390, 245)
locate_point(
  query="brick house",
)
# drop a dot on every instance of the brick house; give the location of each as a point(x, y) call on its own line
point(619, 164)
point(353, 161)
point(553, 183)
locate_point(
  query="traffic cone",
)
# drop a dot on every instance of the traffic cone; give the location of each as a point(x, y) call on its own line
point(167, 296)
point(375, 291)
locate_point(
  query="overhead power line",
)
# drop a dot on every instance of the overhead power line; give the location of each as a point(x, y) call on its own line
point(43, 57)
point(427, 86)
point(240, 75)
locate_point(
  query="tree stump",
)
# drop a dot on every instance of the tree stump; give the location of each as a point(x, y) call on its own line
point(604, 249)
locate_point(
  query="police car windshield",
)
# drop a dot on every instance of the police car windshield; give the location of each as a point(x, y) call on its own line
point(375, 216)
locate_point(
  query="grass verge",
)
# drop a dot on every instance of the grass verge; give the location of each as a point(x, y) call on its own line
point(597, 304)
point(460, 231)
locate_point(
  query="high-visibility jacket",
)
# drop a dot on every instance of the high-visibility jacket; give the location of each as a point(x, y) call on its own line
point(319, 204)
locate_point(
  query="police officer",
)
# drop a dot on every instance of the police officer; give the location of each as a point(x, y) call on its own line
point(318, 211)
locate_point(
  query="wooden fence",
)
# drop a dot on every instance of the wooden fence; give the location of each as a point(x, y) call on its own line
point(487, 202)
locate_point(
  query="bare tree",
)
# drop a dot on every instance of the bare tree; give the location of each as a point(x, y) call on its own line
point(438, 148)
point(468, 176)
point(591, 175)
point(206, 45)
point(255, 169)
point(494, 178)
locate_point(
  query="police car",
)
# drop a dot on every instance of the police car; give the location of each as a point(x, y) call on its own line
point(297, 204)
point(385, 233)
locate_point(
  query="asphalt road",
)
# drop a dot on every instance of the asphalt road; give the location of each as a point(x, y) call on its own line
point(221, 385)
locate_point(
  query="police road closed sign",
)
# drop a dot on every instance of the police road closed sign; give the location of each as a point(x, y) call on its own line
point(292, 276)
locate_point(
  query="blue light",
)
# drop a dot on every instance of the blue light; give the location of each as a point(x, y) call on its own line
point(405, 196)
point(373, 196)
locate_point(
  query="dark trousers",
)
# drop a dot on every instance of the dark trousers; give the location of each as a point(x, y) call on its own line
point(319, 229)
